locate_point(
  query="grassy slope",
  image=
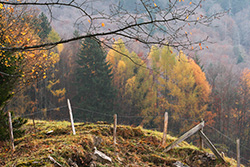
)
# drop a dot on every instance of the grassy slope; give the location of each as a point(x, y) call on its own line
point(136, 146)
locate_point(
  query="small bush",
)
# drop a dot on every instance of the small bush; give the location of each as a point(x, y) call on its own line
point(17, 123)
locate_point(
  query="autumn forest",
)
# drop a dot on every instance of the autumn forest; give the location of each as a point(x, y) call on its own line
point(122, 74)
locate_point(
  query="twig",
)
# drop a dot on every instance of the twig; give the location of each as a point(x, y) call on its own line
point(54, 161)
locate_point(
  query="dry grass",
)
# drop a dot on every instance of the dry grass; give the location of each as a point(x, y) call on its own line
point(136, 146)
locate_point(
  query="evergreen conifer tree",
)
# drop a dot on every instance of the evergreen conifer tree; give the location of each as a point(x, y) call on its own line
point(94, 83)
point(44, 26)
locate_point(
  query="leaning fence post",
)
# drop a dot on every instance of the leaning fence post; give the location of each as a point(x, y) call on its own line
point(201, 140)
point(165, 128)
point(115, 127)
point(71, 117)
point(211, 146)
point(11, 132)
point(185, 136)
point(238, 152)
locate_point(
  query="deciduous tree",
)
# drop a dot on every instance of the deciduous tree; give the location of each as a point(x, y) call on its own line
point(188, 91)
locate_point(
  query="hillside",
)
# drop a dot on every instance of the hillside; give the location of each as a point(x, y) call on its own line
point(135, 147)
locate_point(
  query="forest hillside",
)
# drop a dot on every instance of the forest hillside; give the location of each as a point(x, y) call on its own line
point(138, 59)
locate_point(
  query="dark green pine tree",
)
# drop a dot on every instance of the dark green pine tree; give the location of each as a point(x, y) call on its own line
point(8, 79)
point(44, 27)
point(95, 94)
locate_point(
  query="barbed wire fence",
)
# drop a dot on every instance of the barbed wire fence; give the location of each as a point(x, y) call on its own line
point(223, 142)
point(227, 145)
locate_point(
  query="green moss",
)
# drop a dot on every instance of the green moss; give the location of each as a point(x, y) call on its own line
point(33, 163)
point(135, 146)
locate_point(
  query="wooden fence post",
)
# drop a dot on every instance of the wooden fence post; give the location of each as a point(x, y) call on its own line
point(11, 132)
point(115, 127)
point(165, 128)
point(238, 152)
point(71, 117)
point(212, 147)
point(201, 140)
point(34, 124)
point(185, 136)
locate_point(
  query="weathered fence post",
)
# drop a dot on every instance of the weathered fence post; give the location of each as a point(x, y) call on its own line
point(185, 136)
point(114, 132)
point(238, 152)
point(34, 124)
point(165, 128)
point(212, 147)
point(201, 140)
point(115, 127)
point(71, 117)
point(11, 132)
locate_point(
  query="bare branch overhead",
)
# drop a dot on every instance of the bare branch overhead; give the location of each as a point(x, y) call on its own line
point(148, 23)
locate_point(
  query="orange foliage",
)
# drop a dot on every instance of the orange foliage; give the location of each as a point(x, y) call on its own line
point(245, 78)
point(201, 81)
point(209, 118)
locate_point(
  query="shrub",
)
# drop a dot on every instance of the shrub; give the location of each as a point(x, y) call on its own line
point(17, 123)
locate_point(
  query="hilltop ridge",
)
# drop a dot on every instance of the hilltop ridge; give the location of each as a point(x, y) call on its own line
point(135, 147)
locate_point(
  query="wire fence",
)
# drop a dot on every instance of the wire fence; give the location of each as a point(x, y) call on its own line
point(227, 145)
point(223, 142)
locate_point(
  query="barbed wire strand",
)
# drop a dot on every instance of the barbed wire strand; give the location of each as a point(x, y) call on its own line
point(221, 133)
point(91, 111)
point(131, 116)
point(227, 137)
point(52, 109)
point(81, 120)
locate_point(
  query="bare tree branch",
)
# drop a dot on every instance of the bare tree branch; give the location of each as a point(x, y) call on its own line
point(57, 3)
point(149, 25)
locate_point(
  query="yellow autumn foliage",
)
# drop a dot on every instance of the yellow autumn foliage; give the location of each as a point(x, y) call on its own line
point(121, 66)
point(17, 31)
point(60, 48)
point(189, 90)
point(59, 92)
